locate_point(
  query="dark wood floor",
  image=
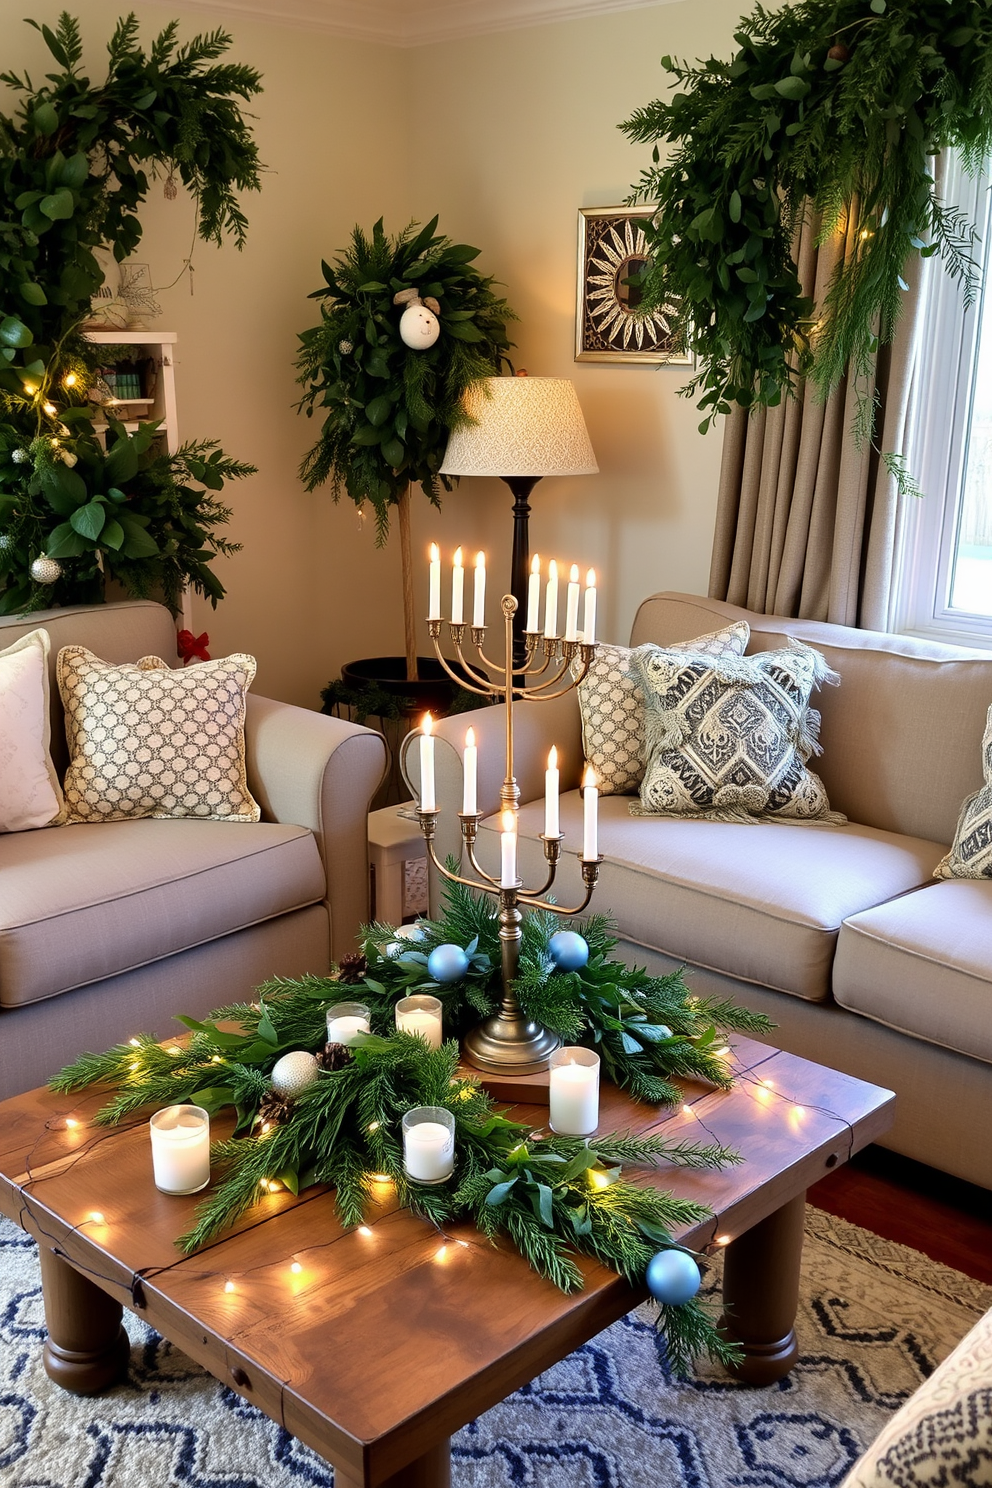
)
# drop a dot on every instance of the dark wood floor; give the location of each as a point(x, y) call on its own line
point(946, 1219)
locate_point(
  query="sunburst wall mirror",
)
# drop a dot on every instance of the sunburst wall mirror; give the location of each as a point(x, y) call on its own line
point(608, 328)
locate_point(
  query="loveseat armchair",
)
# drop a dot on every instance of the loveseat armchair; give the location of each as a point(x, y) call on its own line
point(111, 928)
point(838, 933)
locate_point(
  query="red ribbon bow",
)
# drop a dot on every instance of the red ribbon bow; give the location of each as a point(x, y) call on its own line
point(189, 646)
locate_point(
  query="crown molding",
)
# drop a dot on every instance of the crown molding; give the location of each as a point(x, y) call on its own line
point(412, 23)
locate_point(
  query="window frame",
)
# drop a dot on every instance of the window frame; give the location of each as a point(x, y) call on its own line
point(941, 407)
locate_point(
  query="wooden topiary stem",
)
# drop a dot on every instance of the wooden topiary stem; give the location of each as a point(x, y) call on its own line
point(406, 563)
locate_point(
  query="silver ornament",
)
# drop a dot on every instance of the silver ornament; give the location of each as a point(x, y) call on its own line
point(19, 456)
point(46, 570)
point(294, 1072)
point(345, 348)
point(6, 542)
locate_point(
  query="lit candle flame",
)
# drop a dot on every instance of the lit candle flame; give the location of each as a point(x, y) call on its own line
point(535, 563)
point(509, 821)
point(591, 579)
point(428, 724)
point(470, 739)
point(589, 778)
point(552, 758)
point(435, 553)
point(480, 560)
point(552, 569)
point(458, 557)
point(573, 574)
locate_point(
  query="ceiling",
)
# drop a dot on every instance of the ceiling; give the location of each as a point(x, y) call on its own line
point(409, 23)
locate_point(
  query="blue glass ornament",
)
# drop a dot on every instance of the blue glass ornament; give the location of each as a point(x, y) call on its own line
point(568, 950)
point(673, 1277)
point(447, 963)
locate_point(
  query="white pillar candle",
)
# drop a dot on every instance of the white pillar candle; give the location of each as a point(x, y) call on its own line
point(551, 786)
point(434, 605)
point(551, 602)
point(479, 597)
point(508, 851)
point(574, 1092)
point(458, 590)
point(572, 604)
point(429, 1144)
point(589, 619)
point(347, 1023)
point(470, 774)
point(420, 1015)
point(590, 817)
point(428, 797)
point(534, 594)
point(180, 1149)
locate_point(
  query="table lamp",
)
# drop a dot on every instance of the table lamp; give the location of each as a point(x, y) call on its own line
point(524, 429)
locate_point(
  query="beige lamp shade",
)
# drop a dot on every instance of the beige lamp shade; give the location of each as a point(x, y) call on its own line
point(524, 426)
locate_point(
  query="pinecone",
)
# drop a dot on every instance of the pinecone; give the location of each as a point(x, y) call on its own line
point(352, 968)
point(275, 1108)
point(334, 1057)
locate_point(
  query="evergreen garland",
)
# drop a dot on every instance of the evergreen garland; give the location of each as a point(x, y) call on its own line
point(388, 409)
point(74, 168)
point(829, 105)
point(550, 1195)
point(645, 1029)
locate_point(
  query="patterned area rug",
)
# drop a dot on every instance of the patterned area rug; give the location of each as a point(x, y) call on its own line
point(874, 1320)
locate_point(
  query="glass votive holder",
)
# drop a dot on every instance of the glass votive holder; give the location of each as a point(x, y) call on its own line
point(428, 1144)
point(347, 1023)
point(180, 1149)
point(421, 1015)
point(574, 1092)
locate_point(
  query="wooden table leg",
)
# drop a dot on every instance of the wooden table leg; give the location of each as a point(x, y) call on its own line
point(432, 1470)
point(761, 1293)
point(87, 1349)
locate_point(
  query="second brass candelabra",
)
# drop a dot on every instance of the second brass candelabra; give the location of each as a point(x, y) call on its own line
point(508, 1041)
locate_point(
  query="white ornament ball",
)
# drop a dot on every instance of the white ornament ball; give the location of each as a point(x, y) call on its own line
point(294, 1072)
point(6, 541)
point(46, 570)
point(419, 327)
point(409, 932)
point(345, 348)
point(19, 456)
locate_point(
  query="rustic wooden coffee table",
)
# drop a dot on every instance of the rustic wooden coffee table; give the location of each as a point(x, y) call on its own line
point(374, 1345)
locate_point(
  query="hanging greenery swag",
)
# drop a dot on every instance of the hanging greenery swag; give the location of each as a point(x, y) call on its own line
point(829, 106)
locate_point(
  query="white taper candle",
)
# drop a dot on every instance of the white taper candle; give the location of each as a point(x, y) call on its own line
point(589, 619)
point(434, 606)
point(534, 594)
point(508, 851)
point(458, 590)
point(551, 601)
point(470, 770)
point(479, 607)
point(590, 817)
point(572, 604)
point(551, 784)
point(428, 799)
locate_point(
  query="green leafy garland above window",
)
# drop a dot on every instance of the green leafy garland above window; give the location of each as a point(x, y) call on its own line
point(74, 162)
point(834, 105)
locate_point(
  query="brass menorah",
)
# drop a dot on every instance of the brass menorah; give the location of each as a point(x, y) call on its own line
point(509, 1042)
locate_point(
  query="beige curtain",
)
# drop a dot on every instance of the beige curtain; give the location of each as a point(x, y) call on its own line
point(806, 522)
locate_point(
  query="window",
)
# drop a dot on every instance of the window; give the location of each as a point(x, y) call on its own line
point(944, 564)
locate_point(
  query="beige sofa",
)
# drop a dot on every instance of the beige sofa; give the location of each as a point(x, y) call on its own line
point(838, 933)
point(113, 928)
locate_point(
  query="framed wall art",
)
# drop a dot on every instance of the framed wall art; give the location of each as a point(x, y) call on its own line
point(608, 327)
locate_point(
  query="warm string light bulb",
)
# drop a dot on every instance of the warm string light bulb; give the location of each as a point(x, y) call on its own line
point(296, 1268)
point(229, 1286)
point(96, 1218)
point(364, 1230)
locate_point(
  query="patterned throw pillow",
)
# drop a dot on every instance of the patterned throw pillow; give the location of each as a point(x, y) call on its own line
point(729, 739)
point(148, 741)
point(971, 851)
point(611, 701)
point(30, 795)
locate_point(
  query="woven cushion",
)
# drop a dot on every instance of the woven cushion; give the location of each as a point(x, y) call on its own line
point(971, 851)
point(611, 701)
point(728, 739)
point(30, 795)
point(147, 741)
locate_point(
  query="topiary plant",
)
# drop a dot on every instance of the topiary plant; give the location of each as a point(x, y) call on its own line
point(74, 163)
point(830, 105)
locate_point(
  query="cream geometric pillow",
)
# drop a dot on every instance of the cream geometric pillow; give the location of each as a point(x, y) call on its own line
point(611, 701)
point(971, 851)
point(728, 740)
point(148, 741)
point(30, 795)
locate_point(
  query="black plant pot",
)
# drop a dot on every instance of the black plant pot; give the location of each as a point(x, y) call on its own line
point(433, 692)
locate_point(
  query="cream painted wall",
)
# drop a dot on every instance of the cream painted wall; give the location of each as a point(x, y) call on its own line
point(506, 136)
point(512, 134)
